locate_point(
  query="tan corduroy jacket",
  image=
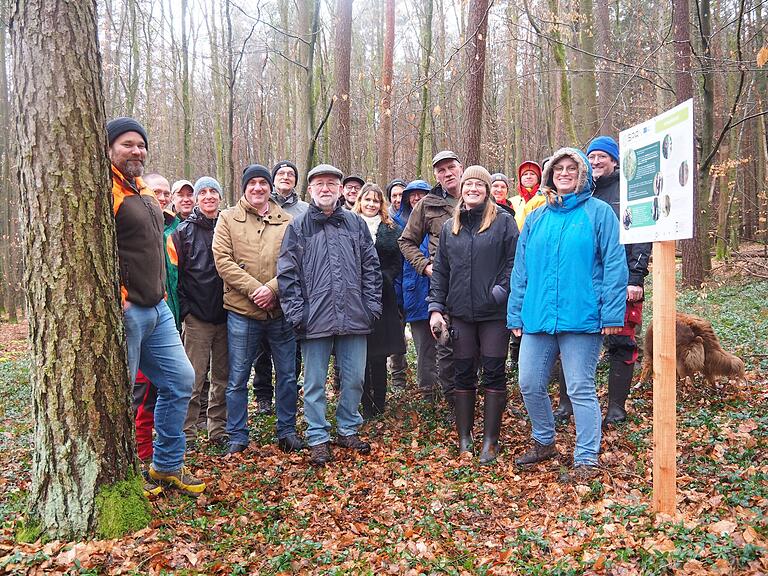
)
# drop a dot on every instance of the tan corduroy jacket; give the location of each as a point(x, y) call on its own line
point(245, 249)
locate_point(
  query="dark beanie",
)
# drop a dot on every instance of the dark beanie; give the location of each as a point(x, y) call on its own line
point(124, 124)
point(256, 171)
point(285, 164)
point(392, 184)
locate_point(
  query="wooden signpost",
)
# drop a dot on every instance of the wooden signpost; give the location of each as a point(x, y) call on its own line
point(664, 378)
point(656, 205)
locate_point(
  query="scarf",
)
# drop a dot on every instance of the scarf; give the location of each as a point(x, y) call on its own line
point(373, 224)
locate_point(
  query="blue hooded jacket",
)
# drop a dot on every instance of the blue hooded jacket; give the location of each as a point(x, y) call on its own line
point(570, 272)
point(412, 292)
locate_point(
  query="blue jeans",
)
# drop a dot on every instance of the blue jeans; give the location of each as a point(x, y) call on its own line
point(579, 354)
point(244, 338)
point(154, 346)
point(351, 352)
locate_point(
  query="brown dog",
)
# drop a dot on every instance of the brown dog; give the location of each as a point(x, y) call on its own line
point(698, 350)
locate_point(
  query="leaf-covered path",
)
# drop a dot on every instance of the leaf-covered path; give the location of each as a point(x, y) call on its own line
point(412, 507)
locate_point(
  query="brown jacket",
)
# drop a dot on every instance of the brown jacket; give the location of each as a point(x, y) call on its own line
point(245, 250)
point(428, 217)
point(140, 250)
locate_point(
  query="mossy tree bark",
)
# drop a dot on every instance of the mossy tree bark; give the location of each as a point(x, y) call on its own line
point(83, 432)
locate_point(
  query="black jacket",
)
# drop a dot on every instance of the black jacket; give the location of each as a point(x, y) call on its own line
point(470, 274)
point(201, 289)
point(607, 190)
point(387, 336)
point(328, 275)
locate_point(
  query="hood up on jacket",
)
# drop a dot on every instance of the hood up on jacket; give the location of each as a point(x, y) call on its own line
point(528, 193)
point(585, 184)
point(405, 204)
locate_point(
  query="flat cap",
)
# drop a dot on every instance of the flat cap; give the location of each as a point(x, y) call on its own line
point(324, 169)
point(444, 155)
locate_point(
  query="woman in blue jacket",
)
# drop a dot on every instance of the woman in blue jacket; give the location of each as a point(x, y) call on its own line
point(412, 295)
point(568, 289)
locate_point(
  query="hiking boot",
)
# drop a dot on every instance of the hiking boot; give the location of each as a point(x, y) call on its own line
point(538, 453)
point(151, 489)
point(579, 474)
point(290, 443)
point(353, 441)
point(237, 448)
point(180, 479)
point(264, 407)
point(320, 454)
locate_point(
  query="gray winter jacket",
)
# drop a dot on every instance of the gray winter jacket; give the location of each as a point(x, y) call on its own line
point(328, 275)
point(292, 204)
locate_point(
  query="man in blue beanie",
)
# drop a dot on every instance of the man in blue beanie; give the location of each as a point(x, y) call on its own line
point(603, 155)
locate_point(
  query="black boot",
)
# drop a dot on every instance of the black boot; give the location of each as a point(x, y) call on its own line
point(493, 411)
point(564, 409)
point(465, 418)
point(619, 381)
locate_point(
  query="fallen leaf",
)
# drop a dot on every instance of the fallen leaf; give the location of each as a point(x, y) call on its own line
point(722, 527)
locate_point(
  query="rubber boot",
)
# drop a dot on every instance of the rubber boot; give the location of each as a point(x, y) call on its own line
point(564, 409)
point(493, 410)
point(465, 419)
point(619, 381)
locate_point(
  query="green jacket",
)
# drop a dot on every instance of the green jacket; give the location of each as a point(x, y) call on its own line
point(171, 267)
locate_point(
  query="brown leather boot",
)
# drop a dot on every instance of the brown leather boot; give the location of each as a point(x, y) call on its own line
point(538, 453)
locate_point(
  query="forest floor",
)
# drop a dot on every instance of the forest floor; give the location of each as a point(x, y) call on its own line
point(413, 507)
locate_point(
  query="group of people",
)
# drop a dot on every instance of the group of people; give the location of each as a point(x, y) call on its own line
point(210, 294)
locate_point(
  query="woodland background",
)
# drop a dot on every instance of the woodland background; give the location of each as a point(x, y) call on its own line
point(378, 87)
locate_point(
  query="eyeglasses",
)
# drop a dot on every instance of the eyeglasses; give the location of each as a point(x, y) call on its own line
point(320, 185)
point(598, 157)
point(558, 169)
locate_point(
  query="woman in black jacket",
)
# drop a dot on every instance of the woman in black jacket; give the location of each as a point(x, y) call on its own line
point(387, 336)
point(470, 284)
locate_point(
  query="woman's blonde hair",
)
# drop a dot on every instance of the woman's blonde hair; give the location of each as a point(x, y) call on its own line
point(383, 207)
point(489, 213)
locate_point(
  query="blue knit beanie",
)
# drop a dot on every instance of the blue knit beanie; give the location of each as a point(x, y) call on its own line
point(207, 182)
point(604, 144)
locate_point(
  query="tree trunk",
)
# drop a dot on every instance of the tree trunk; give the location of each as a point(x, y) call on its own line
point(83, 432)
point(186, 99)
point(309, 93)
point(8, 191)
point(605, 79)
point(426, 57)
point(232, 190)
point(341, 154)
point(473, 111)
point(693, 269)
point(707, 129)
point(586, 82)
point(386, 138)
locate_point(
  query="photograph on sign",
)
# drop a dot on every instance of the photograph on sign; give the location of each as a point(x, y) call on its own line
point(656, 187)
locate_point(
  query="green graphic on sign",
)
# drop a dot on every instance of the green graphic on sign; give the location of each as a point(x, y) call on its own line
point(648, 163)
point(642, 214)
